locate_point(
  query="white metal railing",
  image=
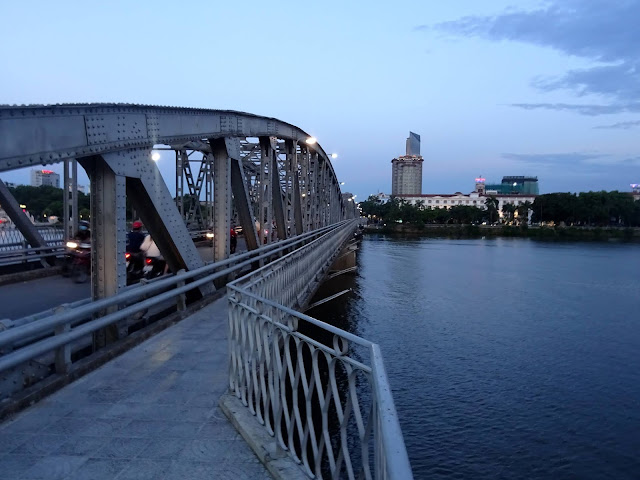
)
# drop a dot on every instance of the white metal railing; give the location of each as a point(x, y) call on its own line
point(12, 239)
point(320, 391)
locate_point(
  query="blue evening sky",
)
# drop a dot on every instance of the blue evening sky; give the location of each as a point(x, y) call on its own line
point(494, 87)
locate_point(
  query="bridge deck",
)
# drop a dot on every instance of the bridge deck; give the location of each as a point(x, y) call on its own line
point(151, 413)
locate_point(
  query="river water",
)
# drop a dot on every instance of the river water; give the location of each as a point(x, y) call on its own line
point(508, 358)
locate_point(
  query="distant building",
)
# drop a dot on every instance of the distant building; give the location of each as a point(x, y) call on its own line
point(382, 197)
point(635, 191)
point(514, 186)
point(45, 177)
point(406, 170)
point(476, 198)
point(10, 184)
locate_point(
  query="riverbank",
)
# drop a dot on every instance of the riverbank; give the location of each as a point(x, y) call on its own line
point(479, 231)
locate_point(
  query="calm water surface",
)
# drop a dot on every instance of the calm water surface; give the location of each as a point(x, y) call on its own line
point(508, 358)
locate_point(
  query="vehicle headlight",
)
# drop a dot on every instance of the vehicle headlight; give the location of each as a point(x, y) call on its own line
point(72, 245)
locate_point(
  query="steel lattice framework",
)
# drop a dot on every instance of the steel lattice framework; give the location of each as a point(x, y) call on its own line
point(279, 185)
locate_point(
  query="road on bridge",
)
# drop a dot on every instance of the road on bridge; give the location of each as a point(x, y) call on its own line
point(26, 298)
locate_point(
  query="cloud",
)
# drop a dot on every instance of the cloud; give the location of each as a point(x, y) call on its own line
point(634, 162)
point(601, 31)
point(573, 162)
point(584, 109)
point(553, 158)
point(621, 125)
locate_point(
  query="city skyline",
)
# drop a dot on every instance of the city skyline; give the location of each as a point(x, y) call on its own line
point(540, 89)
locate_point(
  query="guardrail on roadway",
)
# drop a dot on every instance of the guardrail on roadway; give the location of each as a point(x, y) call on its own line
point(322, 392)
point(16, 252)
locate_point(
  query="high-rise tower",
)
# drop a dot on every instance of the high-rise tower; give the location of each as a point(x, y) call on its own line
point(406, 170)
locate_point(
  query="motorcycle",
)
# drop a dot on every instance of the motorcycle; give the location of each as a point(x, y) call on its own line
point(135, 267)
point(154, 267)
point(79, 261)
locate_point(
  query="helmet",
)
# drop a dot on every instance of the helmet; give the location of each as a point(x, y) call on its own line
point(83, 225)
point(137, 225)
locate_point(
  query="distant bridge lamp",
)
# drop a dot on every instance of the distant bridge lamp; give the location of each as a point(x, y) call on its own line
point(155, 156)
point(313, 141)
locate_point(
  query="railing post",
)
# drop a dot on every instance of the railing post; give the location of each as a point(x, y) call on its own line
point(5, 324)
point(181, 301)
point(63, 353)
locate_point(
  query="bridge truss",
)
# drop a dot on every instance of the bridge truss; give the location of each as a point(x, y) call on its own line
point(271, 173)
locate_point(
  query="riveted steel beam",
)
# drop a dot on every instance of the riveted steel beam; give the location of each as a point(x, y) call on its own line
point(36, 135)
point(221, 198)
point(243, 203)
point(295, 215)
point(265, 205)
point(108, 227)
point(70, 198)
point(276, 197)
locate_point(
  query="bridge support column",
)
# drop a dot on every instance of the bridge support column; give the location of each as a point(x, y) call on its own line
point(265, 204)
point(181, 159)
point(276, 194)
point(295, 199)
point(70, 198)
point(304, 188)
point(243, 204)
point(108, 236)
point(221, 199)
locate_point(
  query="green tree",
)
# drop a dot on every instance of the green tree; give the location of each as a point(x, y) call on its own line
point(508, 209)
point(492, 208)
point(523, 212)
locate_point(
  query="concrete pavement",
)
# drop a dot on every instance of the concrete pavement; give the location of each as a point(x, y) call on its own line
point(151, 413)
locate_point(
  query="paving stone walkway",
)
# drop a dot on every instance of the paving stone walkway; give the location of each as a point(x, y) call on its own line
point(152, 413)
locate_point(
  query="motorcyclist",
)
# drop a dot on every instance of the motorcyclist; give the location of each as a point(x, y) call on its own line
point(84, 233)
point(82, 236)
point(150, 249)
point(234, 240)
point(134, 240)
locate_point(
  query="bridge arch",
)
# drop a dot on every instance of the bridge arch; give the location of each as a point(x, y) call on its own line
point(280, 179)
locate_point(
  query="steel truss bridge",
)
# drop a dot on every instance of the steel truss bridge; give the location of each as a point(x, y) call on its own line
point(281, 187)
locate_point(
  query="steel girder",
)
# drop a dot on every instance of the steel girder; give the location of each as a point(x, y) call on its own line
point(108, 225)
point(70, 198)
point(35, 135)
point(221, 197)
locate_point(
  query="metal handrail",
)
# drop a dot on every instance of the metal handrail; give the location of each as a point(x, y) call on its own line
point(10, 257)
point(208, 274)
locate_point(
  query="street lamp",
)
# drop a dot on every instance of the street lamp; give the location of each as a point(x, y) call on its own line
point(334, 155)
point(311, 141)
point(155, 156)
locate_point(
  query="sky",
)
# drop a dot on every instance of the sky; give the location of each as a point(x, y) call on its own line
point(494, 88)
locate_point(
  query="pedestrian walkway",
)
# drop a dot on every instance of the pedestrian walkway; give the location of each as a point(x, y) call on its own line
point(152, 413)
